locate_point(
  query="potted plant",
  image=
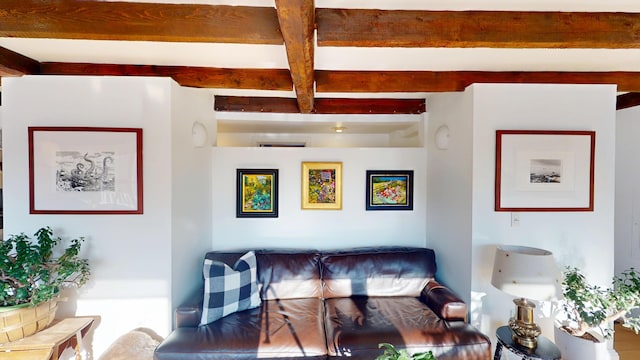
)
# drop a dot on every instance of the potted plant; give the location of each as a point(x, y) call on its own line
point(391, 353)
point(32, 273)
point(589, 309)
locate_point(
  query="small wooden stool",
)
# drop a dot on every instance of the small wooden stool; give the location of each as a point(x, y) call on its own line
point(49, 343)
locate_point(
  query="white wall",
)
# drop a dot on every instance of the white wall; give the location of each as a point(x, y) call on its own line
point(449, 220)
point(190, 189)
point(320, 229)
point(139, 261)
point(627, 189)
point(131, 256)
point(583, 239)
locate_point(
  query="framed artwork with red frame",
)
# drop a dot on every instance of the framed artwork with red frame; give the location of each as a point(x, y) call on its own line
point(544, 170)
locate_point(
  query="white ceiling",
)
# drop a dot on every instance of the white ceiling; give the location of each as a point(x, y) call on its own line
point(347, 58)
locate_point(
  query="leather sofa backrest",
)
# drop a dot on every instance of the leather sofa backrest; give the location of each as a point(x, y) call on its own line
point(282, 273)
point(376, 271)
point(381, 271)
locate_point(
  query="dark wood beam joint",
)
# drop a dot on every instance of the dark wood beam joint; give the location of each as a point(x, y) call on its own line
point(625, 101)
point(14, 64)
point(297, 21)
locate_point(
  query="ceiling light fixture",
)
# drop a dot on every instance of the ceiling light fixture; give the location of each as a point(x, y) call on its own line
point(339, 129)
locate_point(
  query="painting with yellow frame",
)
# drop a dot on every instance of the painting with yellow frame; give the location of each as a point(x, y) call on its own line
point(322, 185)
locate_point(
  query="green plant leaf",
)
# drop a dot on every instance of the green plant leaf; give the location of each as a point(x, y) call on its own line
point(29, 273)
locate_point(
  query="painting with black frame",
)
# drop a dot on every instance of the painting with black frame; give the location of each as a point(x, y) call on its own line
point(389, 190)
point(256, 193)
point(85, 170)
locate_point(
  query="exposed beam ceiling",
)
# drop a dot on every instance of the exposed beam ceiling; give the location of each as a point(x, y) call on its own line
point(294, 24)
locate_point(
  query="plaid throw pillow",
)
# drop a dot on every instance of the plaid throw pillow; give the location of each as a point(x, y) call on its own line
point(228, 290)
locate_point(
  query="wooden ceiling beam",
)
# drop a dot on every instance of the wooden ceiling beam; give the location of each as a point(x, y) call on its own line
point(14, 64)
point(256, 104)
point(297, 22)
point(441, 81)
point(200, 77)
point(624, 101)
point(323, 105)
point(344, 81)
point(463, 29)
point(105, 20)
point(369, 106)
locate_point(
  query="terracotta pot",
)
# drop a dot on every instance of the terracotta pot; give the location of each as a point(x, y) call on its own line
point(576, 348)
point(17, 322)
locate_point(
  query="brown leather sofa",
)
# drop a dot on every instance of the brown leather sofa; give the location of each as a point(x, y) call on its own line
point(325, 304)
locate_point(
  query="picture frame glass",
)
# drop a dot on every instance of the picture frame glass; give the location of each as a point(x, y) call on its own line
point(85, 170)
point(257, 193)
point(389, 190)
point(539, 170)
point(322, 185)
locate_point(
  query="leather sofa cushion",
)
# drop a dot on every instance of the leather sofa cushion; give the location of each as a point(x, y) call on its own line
point(289, 274)
point(278, 329)
point(382, 271)
point(355, 326)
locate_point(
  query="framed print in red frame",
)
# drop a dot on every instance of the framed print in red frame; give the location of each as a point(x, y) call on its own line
point(85, 170)
point(544, 170)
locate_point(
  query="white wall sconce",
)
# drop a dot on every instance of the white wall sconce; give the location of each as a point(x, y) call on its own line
point(199, 134)
point(441, 137)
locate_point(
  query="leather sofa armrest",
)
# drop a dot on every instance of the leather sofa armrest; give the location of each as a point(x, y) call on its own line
point(188, 314)
point(444, 302)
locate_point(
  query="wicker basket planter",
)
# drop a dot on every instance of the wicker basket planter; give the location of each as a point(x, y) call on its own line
point(17, 322)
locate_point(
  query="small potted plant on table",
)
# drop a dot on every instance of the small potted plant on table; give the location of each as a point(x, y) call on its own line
point(31, 277)
point(391, 353)
point(589, 310)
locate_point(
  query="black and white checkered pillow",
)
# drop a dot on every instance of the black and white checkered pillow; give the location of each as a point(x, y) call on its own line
point(228, 290)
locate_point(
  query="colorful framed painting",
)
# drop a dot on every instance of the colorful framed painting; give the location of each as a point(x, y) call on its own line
point(389, 190)
point(256, 193)
point(85, 170)
point(544, 170)
point(322, 185)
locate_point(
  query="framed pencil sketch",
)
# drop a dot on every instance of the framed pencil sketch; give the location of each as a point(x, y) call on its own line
point(85, 170)
point(256, 193)
point(322, 185)
point(389, 190)
point(544, 170)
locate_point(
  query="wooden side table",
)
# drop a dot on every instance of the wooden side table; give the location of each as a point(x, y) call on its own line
point(546, 350)
point(49, 343)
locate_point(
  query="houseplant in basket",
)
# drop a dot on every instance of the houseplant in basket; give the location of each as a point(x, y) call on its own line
point(32, 273)
point(589, 310)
